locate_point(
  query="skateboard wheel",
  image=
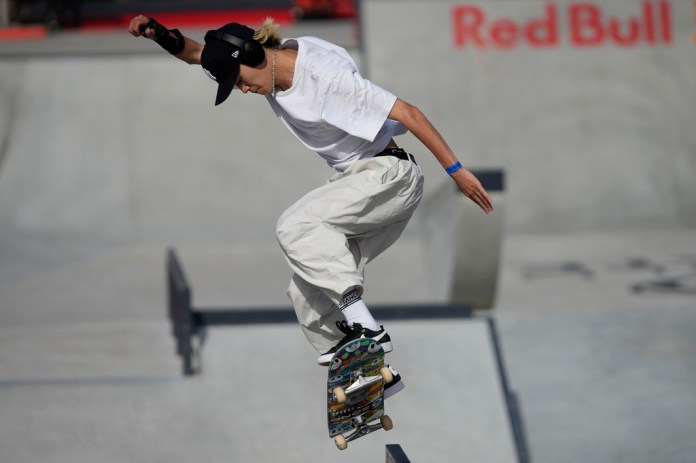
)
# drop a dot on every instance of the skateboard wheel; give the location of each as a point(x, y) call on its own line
point(387, 423)
point(386, 375)
point(341, 442)
point(340, 395)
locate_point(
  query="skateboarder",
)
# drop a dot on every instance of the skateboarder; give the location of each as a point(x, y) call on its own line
point(330, 234)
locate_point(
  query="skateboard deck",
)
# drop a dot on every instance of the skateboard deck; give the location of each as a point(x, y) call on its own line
point(355, 392)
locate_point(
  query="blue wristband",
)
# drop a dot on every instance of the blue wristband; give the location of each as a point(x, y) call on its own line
point(453, 168)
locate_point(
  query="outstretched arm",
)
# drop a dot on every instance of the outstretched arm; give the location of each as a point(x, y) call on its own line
point(188, 51)
point(419, 125)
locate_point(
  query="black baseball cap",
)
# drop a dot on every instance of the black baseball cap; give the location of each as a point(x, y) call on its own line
point(221, 59)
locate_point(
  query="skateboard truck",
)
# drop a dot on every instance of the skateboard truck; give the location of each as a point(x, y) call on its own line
point(360, 382)
point(362, 428)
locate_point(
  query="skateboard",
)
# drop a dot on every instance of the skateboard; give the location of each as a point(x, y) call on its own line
point(355, 392)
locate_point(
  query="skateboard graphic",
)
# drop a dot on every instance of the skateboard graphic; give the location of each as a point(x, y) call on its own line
point(355, 393)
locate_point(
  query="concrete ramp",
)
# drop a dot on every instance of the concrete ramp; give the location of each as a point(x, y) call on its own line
point(89, 371)
point(137, 156)
point(106, 160)
point(79, 392)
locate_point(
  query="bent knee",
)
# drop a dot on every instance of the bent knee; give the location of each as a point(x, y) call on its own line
point(289, 230)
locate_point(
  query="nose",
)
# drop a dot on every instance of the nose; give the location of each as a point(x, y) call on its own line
point(244, 88)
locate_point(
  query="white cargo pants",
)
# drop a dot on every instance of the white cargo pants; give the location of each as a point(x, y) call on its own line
point(331, 233)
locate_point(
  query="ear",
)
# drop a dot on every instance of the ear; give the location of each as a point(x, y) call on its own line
point(253, 52)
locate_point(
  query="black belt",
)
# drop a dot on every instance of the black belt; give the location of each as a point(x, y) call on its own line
point(399, 153)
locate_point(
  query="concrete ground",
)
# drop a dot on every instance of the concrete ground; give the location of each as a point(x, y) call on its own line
point(597, 328)
point(605, 373)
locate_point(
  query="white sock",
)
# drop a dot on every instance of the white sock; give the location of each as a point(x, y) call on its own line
point(355, 311)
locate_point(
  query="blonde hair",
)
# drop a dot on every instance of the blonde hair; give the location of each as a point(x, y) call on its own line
point(269, 33)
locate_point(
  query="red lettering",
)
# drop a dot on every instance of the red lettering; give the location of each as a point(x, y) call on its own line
point(504, 33)
point(624, 40)
point(468, 21)
point(665, 16)
point(649, 22)
point(543, 32)
point(585, 26)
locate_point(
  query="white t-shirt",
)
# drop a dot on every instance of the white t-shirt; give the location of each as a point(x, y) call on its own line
point(331, 108)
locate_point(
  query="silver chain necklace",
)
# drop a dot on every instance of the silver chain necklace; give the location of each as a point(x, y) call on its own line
point(273, 86)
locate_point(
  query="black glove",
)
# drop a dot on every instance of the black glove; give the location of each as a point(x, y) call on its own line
point(173, 44)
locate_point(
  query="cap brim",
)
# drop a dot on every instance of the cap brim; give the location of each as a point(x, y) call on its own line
point(226, 87)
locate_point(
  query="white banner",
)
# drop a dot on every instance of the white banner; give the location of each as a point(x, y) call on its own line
point(588, 105)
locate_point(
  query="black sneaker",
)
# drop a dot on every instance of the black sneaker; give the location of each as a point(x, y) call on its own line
point(381, 336)
point(353, 332)
point(397, 385)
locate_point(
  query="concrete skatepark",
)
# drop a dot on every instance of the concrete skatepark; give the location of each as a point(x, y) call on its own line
point(99, 176)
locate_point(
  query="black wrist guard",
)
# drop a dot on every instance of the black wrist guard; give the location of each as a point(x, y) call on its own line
point(174, 45)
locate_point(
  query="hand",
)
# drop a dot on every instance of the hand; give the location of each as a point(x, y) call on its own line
point(138, 27)
point(472, 189)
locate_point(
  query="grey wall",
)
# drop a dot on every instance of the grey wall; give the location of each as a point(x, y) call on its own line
point(592, 136)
